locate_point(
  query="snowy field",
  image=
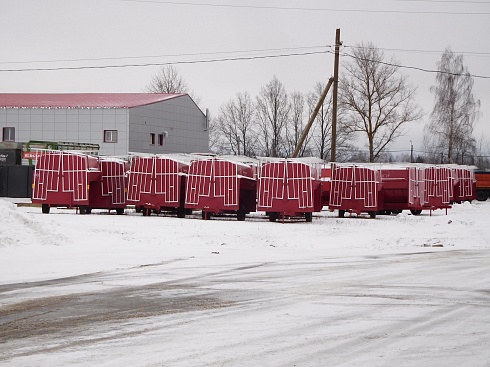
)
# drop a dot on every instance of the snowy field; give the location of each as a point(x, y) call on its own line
point(109, 290)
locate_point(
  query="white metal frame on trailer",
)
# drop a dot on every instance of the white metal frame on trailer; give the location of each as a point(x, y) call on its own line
point(72, 170)
point(226, 185)
point(46, 175)
point(196, 181)
point(348, 181)
point(113, 180)
point(290, 177)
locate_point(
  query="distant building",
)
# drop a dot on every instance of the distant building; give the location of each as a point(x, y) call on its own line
point(118, 122)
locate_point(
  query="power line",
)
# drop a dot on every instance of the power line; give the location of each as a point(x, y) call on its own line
point(244, 58)
point(466, 53)
point(216, 53)
point(416, 68)
point(168, 55)
point(306, 9)
point(167, 63)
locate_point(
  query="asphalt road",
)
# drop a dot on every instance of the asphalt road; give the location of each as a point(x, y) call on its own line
point(419, 309)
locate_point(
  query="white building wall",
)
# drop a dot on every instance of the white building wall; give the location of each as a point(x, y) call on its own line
point(179, 119)
point(80, 125)
point(182, 122)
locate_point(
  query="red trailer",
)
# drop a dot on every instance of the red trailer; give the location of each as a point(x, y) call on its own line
point(157, 183)
point(430, 188)
point(63, 178)
point(355, 189)
point(414, 187)
point(220, 185)
point(110, 191)
point(438, 189)
point(404, 188)
point(326, 178)
point(396, 189)
point(289, 187)
point(463, 182)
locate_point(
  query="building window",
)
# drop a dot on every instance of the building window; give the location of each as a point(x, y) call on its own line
point(110, 136)
point(152, 139)
point(160, 139)
point(8, 134)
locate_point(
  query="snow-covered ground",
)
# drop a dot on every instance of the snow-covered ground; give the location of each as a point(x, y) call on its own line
point(109, 290)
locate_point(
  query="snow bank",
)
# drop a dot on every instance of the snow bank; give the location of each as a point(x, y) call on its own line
point(38, 246)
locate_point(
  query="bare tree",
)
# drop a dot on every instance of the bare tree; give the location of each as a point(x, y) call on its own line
point(167, 80)
point(322, 128)
point(377, 101)
point(455, 111)
point(217, 144)
point(236, 123)
point(295, 126)
point(272, 113)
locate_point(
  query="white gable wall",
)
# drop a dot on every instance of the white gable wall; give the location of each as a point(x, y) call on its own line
point(178, 119)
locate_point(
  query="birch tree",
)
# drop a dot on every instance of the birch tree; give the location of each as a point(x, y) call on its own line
point(450, 129)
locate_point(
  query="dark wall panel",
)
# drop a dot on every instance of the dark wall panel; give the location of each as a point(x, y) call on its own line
point(4, 180)
point(16, 181)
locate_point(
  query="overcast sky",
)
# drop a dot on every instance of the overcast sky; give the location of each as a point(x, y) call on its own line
point(72, 34)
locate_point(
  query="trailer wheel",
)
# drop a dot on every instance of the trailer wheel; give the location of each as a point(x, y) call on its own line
point(415, 212)
point(341, 213)
point(240, 214)
point(481, 195)
point(45, 208)
point(119, 211)
point(372, 214)
point(273, 216)
point(309, 217)
point(83, 209)
point(180, 212)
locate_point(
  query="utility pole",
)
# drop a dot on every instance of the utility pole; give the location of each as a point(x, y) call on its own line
point(333, 149)
point(411, 152)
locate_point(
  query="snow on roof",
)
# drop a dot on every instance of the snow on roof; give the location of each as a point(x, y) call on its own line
point(82, 100)
point(184, 158)
point(305, 160)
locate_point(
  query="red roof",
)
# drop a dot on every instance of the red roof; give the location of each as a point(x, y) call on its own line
point(82, 100)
